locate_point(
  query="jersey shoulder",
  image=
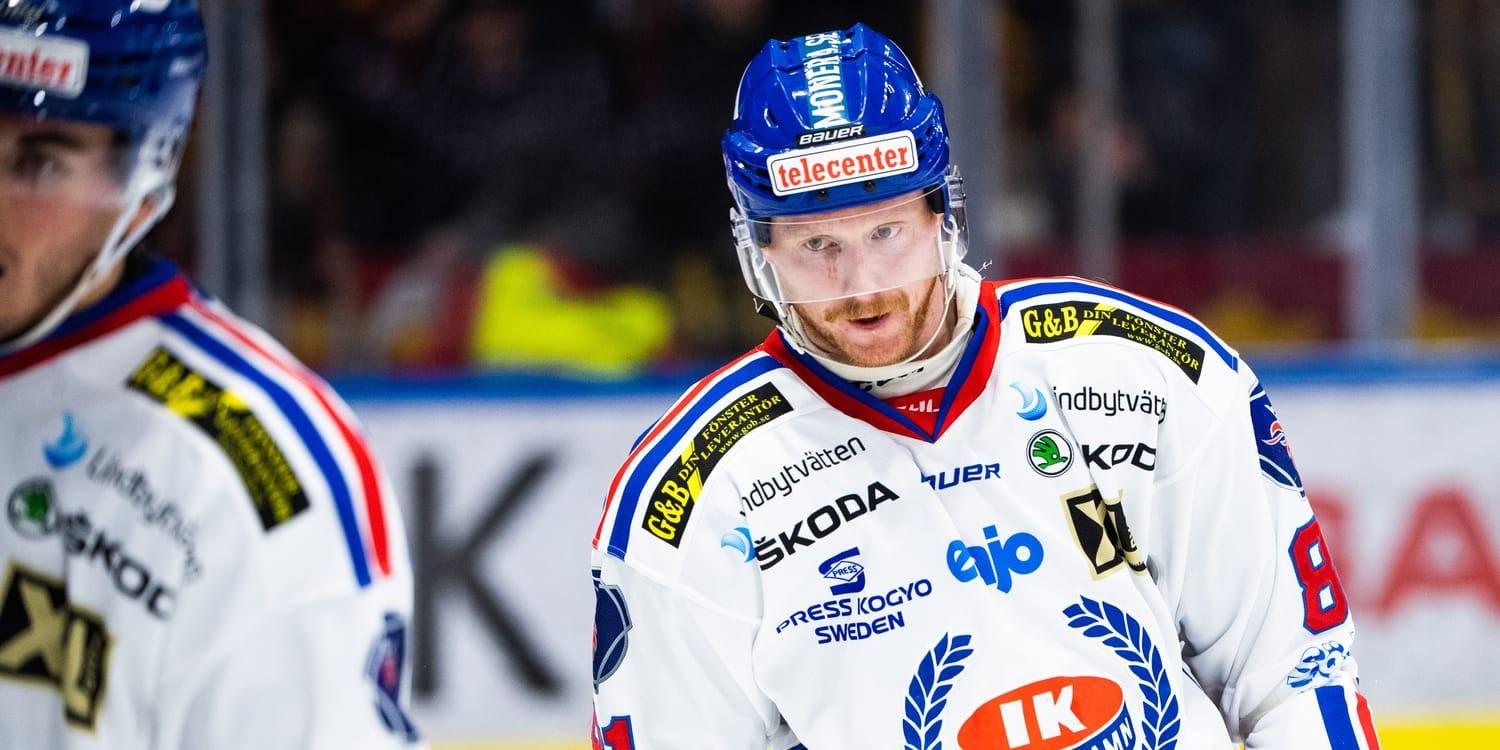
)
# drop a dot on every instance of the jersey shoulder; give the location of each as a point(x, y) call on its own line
point(1066, 313)
point(675, 466)
point(289, 467)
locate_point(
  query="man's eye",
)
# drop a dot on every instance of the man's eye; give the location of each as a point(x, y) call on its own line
point(885, 232)
point(35, 166)
point(817, 244)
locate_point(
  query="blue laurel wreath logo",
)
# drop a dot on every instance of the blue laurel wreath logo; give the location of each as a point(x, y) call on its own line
point(1128, 639)
point(927, 694)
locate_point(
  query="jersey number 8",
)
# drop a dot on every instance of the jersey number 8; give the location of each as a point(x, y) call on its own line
point(1324, 604)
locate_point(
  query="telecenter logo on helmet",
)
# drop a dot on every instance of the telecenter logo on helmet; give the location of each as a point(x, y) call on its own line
point(57, 65)
point(840, 164)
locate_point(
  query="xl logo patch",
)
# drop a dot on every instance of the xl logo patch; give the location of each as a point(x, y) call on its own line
point(45, 641)
point(1102, 533)
point(1270, 440)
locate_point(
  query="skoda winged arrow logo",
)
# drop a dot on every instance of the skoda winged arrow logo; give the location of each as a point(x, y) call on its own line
point(1033, 405)
point(69, 446)
point(1050, 453)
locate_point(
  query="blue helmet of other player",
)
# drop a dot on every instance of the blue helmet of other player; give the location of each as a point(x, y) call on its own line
point(837, 161)
point(134, 66)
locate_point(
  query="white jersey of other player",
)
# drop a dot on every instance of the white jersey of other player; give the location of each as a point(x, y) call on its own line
point(1092, 537)
point(199, 550)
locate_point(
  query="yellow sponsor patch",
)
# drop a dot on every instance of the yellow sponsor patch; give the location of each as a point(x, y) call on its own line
point(1060, 321)
point(226, 418)
point(672, 504)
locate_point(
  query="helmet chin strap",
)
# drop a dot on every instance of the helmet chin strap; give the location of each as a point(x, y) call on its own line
point(119, 243)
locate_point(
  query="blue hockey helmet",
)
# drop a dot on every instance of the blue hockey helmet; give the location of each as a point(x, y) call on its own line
point(134, 66)
point(823, 125)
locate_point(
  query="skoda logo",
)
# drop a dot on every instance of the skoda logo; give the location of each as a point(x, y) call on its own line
point(31, 509)
point(1049, 453)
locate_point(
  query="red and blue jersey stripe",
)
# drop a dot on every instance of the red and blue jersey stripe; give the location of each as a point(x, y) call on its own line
point(304, 401)
point(1333, 704)
point(657, 445)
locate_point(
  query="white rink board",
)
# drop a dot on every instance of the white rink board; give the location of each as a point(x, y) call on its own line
point(1388, 466)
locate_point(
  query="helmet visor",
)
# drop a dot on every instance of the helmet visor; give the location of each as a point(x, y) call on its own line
point(46, 162)
point(847, 253)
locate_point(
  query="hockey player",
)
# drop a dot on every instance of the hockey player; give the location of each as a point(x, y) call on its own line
point(198, 549)
point(934, 511)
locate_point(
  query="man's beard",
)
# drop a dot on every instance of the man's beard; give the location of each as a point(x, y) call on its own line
point(894, 303)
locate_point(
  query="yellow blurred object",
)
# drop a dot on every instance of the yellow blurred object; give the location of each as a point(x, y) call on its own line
point(524, 319)
point(1243, 318)
point(1436, 321)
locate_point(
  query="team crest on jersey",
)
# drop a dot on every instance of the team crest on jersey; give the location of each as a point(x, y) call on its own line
point(611, 629)
point(1058, 713)
point(227, 420)
point(1270, 440)
point(49, 643)
point(385, 668)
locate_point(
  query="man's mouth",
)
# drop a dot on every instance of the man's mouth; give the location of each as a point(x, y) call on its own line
point(869, 323)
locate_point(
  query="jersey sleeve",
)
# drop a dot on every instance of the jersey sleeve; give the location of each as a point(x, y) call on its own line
point(1265, 623)
point(672, 671)
point(329, 674)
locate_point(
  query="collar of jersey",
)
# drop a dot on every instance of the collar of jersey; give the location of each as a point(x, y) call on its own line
point(968, 381)
point(161, 287)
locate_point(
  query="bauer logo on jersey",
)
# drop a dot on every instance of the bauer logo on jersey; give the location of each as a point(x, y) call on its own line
point(672, 504)
point(1060, 321)
point(843, 163)
point(1102, 532)
point(1270, 440)
point(1060, 713)
point(273, 487)
point(45, 62)
point(48, 643)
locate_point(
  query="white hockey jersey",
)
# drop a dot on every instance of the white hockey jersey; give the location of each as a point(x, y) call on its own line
point(199, 550)
point(1093, 537)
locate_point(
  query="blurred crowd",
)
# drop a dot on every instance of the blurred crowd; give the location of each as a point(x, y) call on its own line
point(460, 183)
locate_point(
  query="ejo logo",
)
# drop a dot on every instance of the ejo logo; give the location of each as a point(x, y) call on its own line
point(1059, 713)
point(840, 164)
point(45, 62)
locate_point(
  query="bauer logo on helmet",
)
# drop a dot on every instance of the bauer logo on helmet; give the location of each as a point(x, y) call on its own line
point(851, 161)
point(49, 63)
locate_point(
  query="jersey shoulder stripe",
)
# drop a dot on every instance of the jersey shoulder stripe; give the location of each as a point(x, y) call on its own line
point(1015, 293)
point(283, 381)
point(662, 441)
